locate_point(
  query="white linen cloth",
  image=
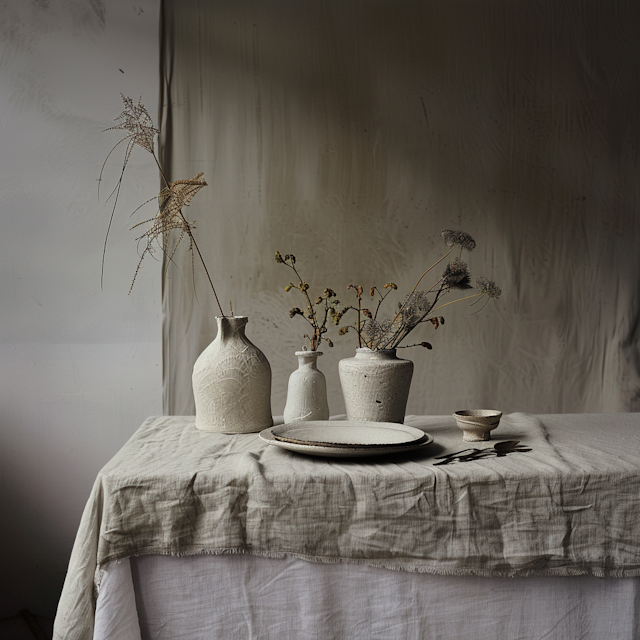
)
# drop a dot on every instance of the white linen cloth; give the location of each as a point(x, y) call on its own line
point(568, 507)
point(244, 597)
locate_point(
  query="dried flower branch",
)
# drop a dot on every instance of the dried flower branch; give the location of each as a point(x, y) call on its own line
point(418, 306)
point(172, 198)
point(318, 312)
point(136, 120)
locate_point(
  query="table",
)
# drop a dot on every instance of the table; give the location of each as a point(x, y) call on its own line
point(262, 540)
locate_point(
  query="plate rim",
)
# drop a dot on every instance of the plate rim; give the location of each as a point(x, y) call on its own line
point(267, 436)
point(417, 434)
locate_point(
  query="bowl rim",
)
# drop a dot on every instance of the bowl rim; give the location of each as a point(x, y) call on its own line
point(489, 415)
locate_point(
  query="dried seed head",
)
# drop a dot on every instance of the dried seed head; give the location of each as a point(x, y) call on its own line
point(489, 287)
point(372, 329)
point(357, 288)
point(279, 257)
point(452, 238)
point(136, 120)
point(415, 305)
point(172, 199)
point(456, 275)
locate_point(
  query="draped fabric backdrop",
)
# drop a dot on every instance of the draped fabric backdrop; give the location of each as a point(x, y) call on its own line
point(352, 132)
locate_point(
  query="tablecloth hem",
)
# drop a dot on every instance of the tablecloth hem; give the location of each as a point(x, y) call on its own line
point(392, 564)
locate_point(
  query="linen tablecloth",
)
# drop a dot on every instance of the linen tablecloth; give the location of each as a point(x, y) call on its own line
point(568, 507)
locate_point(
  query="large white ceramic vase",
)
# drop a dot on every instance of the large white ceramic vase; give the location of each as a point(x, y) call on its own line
point(375, 385)
point(232, 382)
point(307, 390)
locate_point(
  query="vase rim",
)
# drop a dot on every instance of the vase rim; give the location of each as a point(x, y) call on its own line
point(230, 317)
point(367, 349)
point(308, 353)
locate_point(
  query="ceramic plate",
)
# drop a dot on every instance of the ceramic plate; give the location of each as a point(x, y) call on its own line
point(347, 433)
point(344, 450)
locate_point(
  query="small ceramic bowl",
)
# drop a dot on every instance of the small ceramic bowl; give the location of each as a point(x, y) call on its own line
point(476, 424)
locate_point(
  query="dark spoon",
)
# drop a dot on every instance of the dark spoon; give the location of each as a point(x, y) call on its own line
point(500, 449)
point(498, 446)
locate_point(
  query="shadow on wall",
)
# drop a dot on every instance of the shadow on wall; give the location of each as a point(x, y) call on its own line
point(37, 573)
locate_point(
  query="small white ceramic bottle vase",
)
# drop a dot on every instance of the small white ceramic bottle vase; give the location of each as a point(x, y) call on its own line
point(232, 382)
point(375, 385)
point(307, 392)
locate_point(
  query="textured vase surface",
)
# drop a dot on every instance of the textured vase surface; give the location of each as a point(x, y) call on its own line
point(307, 391)
point(375, 385)
point(232, 382)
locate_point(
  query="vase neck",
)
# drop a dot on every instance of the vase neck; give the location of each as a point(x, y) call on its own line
point(364, 353)
point(231, 327)
point(308, 359)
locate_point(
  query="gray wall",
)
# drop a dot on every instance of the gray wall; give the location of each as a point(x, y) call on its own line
point(80, 365)
point(351, 132)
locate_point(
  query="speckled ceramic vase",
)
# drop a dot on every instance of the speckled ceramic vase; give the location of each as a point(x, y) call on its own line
point(375, 385)
point(307, 391)
point(232, 382)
